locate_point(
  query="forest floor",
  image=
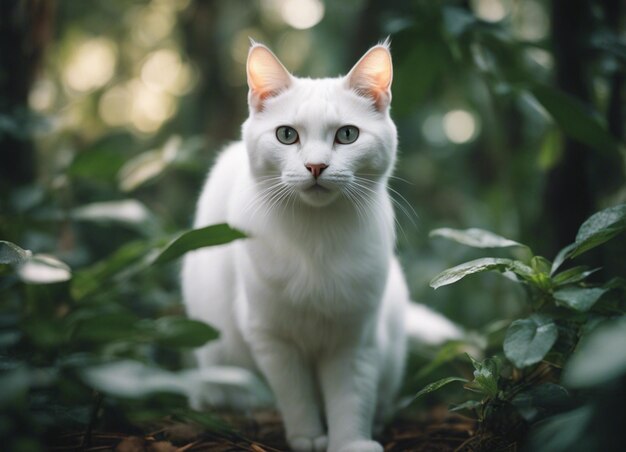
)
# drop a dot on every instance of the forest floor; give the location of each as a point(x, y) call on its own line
point(434, 431)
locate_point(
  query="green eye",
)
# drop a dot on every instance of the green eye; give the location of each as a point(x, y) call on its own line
point(346, 135)
point(287, 135)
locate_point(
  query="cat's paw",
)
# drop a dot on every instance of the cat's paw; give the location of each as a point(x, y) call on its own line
point(305, 444)
point(362, 446)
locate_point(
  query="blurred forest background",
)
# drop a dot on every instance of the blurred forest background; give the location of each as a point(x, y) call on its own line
point(510, 116)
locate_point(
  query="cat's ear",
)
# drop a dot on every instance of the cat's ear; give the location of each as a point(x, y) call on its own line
point(266, 75)
point(371, 76)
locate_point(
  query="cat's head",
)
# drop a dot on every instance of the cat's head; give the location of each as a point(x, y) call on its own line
point(320, 139)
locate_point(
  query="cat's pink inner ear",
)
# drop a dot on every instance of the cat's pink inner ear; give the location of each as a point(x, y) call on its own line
point(371, 76)
point(266, 74)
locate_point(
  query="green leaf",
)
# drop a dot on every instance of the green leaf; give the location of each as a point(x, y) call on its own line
point(456, 21)
point(573, 275)
point(578, 298)
point(486, 376)
point(540, 264)
point(43, 269)
point(600, 357)
point(437, 384)
point(183, 332)
point(599, 228)
point(106, 327)
point(217, 234)
point(46, 333)
point(478, 238)
point(467, 405)
point(575, 119)
point(126, 258)
point(616, 283)
point(125, 211)
point(563, 432)
point(454, 274)
point(446, 353)
point(562, 255)
point(149, 165)
point(15, 384)
point(100, 161)
point(10, 253)
point(541, 401)
point(133, 379)
point(527, 341)
point(551, 150)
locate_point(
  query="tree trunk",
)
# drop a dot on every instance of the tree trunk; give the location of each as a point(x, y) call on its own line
point(25, 29)
point(568, 198)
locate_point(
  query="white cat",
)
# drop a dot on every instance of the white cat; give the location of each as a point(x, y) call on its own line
point(314, 299)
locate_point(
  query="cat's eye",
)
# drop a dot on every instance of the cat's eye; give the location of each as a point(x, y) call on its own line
point(287, 135)
point(346, 135)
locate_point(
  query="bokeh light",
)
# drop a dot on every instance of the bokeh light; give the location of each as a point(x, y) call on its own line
point(432, 129)
point(490, 10)
point(150, 108)
point(531, 21)
point(113, 106)
point(91, 65)
point(152, 24)
point(294, 48)
point(302, 14)
point(459, 126)
point(160, 70)
point(42, 96)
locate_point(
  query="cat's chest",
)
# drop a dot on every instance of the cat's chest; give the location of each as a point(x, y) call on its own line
point(332, 277)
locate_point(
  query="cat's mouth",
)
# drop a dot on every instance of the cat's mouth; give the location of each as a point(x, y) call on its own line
point(318, 195)
point(317, 188)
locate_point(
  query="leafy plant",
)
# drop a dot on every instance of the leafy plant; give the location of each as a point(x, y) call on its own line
point(75, 341)
point(565, 308)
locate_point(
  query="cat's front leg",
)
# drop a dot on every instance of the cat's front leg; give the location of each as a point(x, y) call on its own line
point(349, 382)
point(291, 380)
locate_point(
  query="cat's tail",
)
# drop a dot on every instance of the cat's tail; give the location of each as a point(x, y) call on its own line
point(427, 327)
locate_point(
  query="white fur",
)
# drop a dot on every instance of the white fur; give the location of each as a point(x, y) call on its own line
point(314, 299)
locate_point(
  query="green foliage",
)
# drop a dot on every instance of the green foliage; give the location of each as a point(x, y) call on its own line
point(529, 340)
point(575, 119)
point(10, 253)
point(601, 356)
point(198, 238)
point(459, 272)
point(599, 228)
point(436, 385)
point(564, 307)
point(486, 376)
point(475, 237)
point(66, 334)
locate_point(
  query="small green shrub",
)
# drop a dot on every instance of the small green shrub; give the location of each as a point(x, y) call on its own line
point(562, 361)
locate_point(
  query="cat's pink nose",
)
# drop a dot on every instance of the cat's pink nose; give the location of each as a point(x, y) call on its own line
point(316, 168)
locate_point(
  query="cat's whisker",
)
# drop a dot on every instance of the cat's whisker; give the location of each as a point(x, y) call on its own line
point(409, 213)
point(362, 200)
point(362, 204)
point(354, 201)
point(377, 208)
point(278, 197)
point(291, 201)
point(389, 177)
point(260, 197)
point(267, 197)
point(406, 202)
